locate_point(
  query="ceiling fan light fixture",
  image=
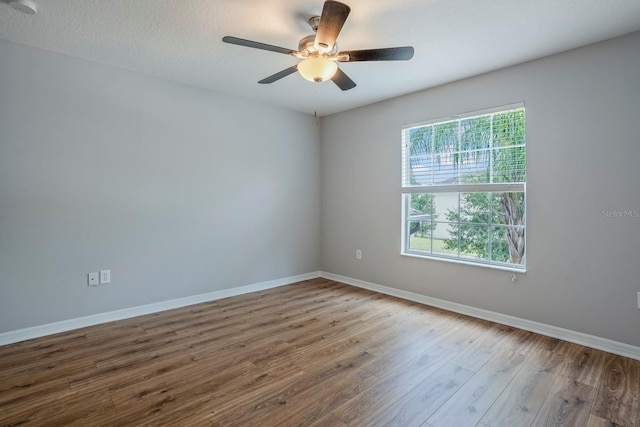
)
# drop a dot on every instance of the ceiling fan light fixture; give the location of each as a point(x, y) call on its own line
point(317, 68)
point(25, 6)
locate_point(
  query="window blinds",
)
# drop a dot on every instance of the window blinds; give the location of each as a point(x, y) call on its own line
point(476, 152)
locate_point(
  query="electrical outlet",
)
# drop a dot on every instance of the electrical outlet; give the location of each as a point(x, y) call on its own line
point(92, 279)
point(105, 277)
point(358, 254)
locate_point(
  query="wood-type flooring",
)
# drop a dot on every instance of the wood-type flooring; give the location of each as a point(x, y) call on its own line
point(314, 353)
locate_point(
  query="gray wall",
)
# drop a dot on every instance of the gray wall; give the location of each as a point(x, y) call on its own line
point(178, 191)
point(583, 148)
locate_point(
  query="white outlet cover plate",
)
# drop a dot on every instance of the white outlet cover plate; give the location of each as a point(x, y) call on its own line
point(92, 279)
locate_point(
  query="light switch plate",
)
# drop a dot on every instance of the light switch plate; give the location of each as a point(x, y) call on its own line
point(105, 277)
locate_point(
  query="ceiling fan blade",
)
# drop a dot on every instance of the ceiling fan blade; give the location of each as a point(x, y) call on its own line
point(277, 76)
point(403, 53)
point(257, 45)
point(331, 21)
point(342, 80)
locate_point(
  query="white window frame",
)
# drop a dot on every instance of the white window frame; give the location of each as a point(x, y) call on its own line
point(455, 188)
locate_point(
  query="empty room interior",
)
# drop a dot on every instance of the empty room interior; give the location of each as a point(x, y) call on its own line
point(284, 213)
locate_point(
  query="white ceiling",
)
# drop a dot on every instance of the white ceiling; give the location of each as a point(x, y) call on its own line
point(180, 40)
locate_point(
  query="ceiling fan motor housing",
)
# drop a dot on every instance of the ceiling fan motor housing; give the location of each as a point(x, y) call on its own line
point(307, 46)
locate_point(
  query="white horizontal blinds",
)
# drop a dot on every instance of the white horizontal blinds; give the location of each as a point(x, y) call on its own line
point(482, 149)
point(464, 187)
point(508, 154)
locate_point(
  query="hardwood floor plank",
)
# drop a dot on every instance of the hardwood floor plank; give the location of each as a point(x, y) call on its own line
point(479, 352)
point(69, 354)
point(324, 387)
point(317, 352)
point(618, 391)
point(259, 351)
point(206, 396)
point(119, 377)
point(214, 337)
point(37, 353)
point(525, 394)
point(138, 348)
point(582, 364)
point(465, 333)
point(525, 342)
point(327, 337)
point(189, 422)
point(324, 400)
point(568, 403)
point(22, 379)
point(392, 388)
point(334, 350)
point(23, 394)
point(329, 420)
point(184, 378)
point(34, 347)
point(401, 347)
point(595, 421)
point(57, 410)
point(157, 355)
point(208, 325)
point(240, 394)
point(113, 330)
point(420, 403)
point(473, 399)
point(172, 400)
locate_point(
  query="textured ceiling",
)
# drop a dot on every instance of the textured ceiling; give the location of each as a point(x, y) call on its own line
point(181, 40)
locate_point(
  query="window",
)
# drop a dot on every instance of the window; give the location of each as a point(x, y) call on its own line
point(464, 187)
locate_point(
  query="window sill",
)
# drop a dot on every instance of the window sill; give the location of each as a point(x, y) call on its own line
point(513, 269)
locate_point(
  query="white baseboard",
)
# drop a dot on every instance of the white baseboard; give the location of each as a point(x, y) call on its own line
point(111, 316)
point(592, 341)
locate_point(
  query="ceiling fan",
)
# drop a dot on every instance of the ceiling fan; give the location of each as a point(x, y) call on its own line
point(319, 51)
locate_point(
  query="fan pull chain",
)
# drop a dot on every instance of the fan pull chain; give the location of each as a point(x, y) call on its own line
point(316, 114)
